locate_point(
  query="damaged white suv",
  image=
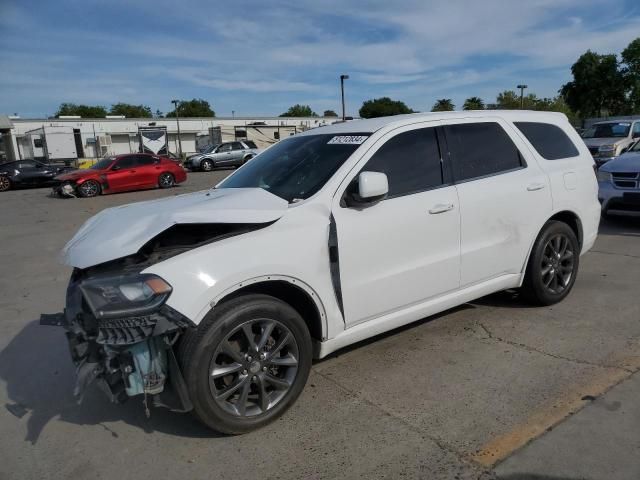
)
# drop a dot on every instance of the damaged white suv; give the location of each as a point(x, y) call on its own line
point(217, 301)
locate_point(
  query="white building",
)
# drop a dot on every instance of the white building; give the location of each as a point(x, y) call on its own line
point(94, 138)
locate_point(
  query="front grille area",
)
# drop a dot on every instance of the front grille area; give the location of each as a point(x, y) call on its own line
point(626, 180)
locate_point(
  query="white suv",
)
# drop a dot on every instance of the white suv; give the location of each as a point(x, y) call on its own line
point(217, 301)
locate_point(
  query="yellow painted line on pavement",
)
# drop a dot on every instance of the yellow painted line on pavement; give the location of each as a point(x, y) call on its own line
point(552, 413)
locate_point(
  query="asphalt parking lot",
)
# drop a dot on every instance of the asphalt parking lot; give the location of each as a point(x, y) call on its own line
point(492, 389)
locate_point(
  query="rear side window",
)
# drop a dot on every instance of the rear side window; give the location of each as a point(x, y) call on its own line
point(481, 149)
point(145, 160)
point(549, 140)
point(251, 144)
point(411, 161)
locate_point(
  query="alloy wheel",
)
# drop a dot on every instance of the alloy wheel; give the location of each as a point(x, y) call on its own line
point(254, 367)
point(5, 183)
point(166, 180)
point(90, 188)
point(557, 264)
point(207, 166)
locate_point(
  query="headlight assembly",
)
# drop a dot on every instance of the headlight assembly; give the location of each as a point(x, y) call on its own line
point(125, 295)
point(603, 176)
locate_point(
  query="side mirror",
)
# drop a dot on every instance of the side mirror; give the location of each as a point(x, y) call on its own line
point(371, 188)
point(115, 167)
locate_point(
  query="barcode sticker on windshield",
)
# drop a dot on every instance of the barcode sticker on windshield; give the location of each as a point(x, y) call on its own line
point(347, 140)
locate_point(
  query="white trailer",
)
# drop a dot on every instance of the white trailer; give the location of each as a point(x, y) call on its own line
point(50, 144)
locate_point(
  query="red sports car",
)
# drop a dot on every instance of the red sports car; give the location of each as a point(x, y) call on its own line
point(122, 173)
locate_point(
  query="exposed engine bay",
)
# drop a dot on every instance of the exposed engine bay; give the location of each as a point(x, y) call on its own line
point(120, 331)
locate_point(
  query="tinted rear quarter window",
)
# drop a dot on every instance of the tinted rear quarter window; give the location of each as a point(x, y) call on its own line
point(411, 161)
point(549, 140)
point(481, 149)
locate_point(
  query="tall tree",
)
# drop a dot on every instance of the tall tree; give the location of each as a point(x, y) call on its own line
point(631, 73)
point(598, 86)
point(383, 107)
point(130, 111)
point(298, 110)
point(85, 111)
point(158, 114)
point(443, 105)
point(196, 107)
point(473, 103)
point(329, 113)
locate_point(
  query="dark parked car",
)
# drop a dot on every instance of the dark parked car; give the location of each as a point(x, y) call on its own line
point(228, 154)
point(28, 173)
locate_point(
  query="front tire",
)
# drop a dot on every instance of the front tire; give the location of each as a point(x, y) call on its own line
point(553, 265)
point(207, 165)
point(246, 363)
point(90, 188)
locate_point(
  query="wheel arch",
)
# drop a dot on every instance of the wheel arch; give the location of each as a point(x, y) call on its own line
point(292, 291)
point(565, 216)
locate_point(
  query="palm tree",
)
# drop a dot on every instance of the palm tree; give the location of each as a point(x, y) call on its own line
point(443, 105)
point(473, 103)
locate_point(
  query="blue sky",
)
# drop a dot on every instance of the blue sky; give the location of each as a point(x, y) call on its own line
point(258, 58)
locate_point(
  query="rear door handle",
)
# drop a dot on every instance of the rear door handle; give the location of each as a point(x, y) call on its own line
point(535, 186)
point(441, 208)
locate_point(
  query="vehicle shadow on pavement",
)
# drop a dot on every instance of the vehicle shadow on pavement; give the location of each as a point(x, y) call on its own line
point(40, 377)
point(624, 226)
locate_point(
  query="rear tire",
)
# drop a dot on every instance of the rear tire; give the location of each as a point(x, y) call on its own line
point(90, 188)
point(5, 183)
point(207, 165)
point(166, 180)
point(260, 348)
point(553, 265)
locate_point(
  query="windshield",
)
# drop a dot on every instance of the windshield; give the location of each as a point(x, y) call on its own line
point(102, 164)
point(208, 149)
point(635, 147)
point(297, 167)
point(607, 130)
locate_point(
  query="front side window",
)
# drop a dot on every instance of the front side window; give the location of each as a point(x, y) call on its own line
point(225, 147)
point(411, 161)
point(549, 140)
point(636, 130)
point(236, 146)
point(481, 149)
point(102, 164)
point(296, 168)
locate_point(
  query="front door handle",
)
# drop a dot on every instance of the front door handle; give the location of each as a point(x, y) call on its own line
point(535, 186)
point(441, 208)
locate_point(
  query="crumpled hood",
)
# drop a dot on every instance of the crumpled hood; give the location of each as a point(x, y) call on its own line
point(597, 142)
point(121, 231)
point(627, 162)
point(76, 174)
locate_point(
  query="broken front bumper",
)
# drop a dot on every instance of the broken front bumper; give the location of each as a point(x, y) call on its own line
point(125, 356)
point(64, 189)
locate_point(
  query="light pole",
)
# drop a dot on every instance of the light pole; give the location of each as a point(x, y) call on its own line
point(342, 79)
point(175, 103)
point(522, 87)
